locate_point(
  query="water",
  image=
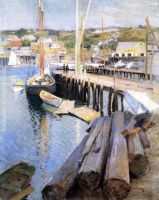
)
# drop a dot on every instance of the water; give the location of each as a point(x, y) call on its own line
point(33, 136)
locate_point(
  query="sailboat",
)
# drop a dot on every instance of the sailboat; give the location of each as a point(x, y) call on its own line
point(43, 81)
point(13, 59)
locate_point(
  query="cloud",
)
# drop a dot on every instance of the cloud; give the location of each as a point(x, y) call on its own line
point(60, 14)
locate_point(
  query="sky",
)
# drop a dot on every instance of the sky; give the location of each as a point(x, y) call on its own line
point(60, 14)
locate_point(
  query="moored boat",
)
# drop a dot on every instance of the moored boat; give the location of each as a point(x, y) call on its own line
point(50, 99)
point(36, 84)
point(43, 82)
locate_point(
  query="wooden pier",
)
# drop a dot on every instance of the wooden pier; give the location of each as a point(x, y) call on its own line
point(131, 74)
point(103, 94)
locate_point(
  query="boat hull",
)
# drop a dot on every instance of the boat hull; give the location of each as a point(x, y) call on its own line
point(36, 89)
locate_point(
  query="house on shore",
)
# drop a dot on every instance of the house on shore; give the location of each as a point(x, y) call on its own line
point(130, 49)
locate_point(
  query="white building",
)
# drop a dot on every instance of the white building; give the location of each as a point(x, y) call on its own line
point(130, 49)
point(31, 38)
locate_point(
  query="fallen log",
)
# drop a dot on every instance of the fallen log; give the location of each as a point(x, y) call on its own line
point(116, 183)
point(138, 162)
point(63, 181)
point(141, 118)
point(94, 134)
point(147, 124)
point(93, 124)
point(144, 140)
point(93, 164)
point(131, 128)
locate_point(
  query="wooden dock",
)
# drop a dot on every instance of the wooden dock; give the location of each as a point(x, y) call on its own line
point(109, 81)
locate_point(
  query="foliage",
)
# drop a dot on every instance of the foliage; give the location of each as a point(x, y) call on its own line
point(132, 34)
point(68, 39)
point(21, 32)
point(26, 43)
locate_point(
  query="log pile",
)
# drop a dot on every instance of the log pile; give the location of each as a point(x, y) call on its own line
point(103, 164)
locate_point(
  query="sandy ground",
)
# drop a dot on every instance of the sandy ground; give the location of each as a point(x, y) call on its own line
point(147, 187)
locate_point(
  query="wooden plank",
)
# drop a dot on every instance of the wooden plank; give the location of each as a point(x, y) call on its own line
point(84, 113)
point(65, 107)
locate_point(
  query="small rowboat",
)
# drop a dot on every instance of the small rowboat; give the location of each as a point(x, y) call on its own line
point(50, 99)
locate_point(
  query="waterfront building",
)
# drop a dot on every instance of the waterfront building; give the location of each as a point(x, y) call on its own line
point(30, 38)
point(130, 49)
point(14, 41)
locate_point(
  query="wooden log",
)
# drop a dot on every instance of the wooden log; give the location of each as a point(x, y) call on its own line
point(63, 181)
point(94, 134)
point(141, 118)
point(147, 124)
point(130, 129)
point(138, 162)
point(93, 164)
point(116, 183)
point(144, 140)
point(93, 124)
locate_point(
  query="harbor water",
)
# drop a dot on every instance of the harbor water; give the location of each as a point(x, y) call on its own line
point(34, 136)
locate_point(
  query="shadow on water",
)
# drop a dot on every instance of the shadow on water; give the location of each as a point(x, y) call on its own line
point(30, 134)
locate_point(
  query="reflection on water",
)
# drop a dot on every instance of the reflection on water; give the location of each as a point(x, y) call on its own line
point(33, 136)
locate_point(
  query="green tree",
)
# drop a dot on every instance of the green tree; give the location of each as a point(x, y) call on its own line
point(26, 43)
point(21, 32)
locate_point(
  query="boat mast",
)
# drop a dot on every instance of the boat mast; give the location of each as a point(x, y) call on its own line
point(40, 30)
point(80, 30)
point(77, 47)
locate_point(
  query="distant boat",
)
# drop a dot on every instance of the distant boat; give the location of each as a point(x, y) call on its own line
point(13, 59)
point(18, 89)
point(50, 99)
point(119, 64)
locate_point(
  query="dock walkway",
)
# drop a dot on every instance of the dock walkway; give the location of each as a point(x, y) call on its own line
point(117, 83)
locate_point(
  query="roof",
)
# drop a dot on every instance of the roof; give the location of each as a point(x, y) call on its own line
point(127, 45)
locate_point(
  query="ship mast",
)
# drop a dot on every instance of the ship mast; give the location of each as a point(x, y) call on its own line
point(41, 43)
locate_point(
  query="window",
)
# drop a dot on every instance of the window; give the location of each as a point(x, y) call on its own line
point(129, 54)
point(142, 54)
point(123, 55)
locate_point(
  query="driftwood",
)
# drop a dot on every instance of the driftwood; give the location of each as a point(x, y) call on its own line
point(64, 179)
point(138, 162)
point(92, 167)
point(116, 181)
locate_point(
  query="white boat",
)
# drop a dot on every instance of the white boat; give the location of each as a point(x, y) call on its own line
point(119, 64)
point(135, 65)
point(13, 59)
point(50, 99)
point(18, 89)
